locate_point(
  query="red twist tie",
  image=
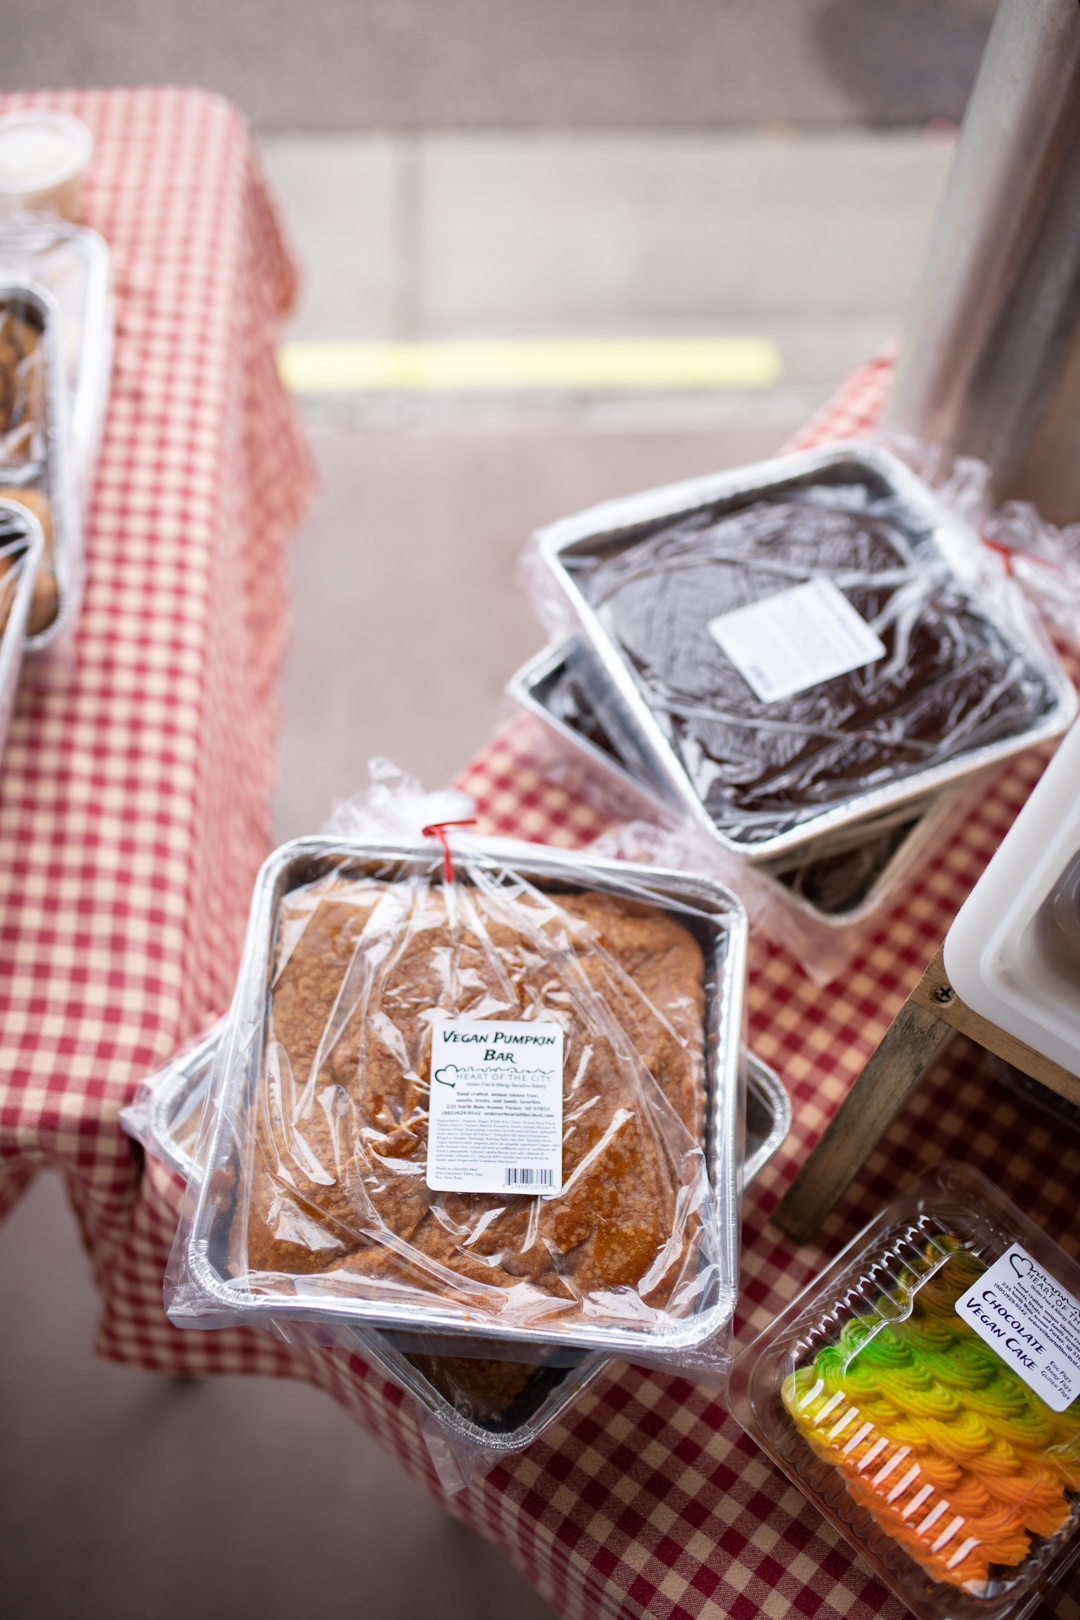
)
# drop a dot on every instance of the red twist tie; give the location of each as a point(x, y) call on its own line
point(1004, 552)
point(437, 830)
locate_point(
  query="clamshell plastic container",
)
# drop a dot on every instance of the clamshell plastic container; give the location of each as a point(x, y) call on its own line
point(840, 882)
point(165, 1120)
point(72, 263)
point(924, 1394)
point(212, 1287)
point(1013, 952)
point(35, 459)
point(965, 681)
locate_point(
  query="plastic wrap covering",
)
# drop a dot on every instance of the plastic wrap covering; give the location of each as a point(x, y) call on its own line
point(319, 1204)
point(925, 1394)
point(820, 902)
point(950, 680)
point(799, 646)
point(364, 969)
point(1042, 559)
point(164, 1114)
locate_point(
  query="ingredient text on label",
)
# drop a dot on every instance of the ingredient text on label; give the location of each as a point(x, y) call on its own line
point(495, 1115)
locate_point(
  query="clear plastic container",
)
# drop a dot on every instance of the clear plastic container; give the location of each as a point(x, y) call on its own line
point(73, 264)
point(924, 1393)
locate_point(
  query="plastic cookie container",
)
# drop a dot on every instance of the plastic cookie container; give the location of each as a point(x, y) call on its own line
point(924, 1393)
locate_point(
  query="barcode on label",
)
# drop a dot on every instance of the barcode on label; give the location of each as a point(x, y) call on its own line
point(530, 1178)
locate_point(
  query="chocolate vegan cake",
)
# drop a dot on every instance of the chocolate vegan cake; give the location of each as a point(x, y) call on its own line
point(950, 680)
point(340, 1134)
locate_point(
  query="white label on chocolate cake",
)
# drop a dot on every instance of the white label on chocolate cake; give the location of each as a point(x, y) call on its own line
point(495, 1117)
point(1033, 1323)
point(796, 639)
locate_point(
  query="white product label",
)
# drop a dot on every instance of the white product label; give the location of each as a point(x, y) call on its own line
point(495, 1118)
point(796, 639)
point(1031, 1321)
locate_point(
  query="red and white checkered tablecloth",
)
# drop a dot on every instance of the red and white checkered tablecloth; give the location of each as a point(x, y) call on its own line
point(128, 844)
point(134, 798)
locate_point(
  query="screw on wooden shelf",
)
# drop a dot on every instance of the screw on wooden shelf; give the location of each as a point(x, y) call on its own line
point(944, 994)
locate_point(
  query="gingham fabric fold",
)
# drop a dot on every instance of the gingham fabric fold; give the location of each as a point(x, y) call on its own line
point(134, 798)
point(124, 802)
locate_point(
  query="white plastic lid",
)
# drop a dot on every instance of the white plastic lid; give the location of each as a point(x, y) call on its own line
point(40, 149)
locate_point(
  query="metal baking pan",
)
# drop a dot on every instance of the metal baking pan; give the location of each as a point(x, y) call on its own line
point(20, 534)
point(716, 916)
point(919, 838)
point(621, 703)
point(546, 688)
point(174, 1109)
point(554, 1389)
point(50, 475)
point(577, 734)
point(73, 264)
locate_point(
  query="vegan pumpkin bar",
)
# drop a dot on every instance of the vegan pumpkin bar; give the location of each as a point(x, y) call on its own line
point(337, 1184)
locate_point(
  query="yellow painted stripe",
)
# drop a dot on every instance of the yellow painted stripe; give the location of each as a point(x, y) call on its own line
point(356, 368)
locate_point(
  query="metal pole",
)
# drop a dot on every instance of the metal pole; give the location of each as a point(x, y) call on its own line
point(990, 365)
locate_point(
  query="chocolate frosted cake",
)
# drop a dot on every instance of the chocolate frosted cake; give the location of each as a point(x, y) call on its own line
point(337, 1180)
point(950, 679)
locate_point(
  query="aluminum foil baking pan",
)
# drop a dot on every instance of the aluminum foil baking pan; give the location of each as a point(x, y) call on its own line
point(595, 766)
point(720, 922)
point(51, 476)
point(922, 837)
point(73, 264)
point(17, 525)
point(556, 1388)
point(598, 772)
point(622, 707)
point(175, 1106)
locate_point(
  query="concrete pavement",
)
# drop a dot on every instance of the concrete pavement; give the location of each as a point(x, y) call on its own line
point(461, 64)
point(811, 239)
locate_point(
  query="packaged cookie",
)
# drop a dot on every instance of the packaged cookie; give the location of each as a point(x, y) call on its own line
point(22, 547)
point(72, 264)
point(34, 450)
point(497, 1097)
point(924, 1393)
